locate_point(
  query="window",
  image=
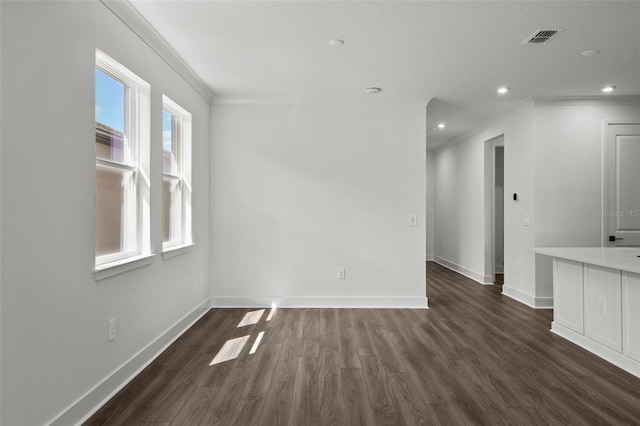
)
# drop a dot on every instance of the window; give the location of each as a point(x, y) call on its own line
point(122, 159)
point(176, 176)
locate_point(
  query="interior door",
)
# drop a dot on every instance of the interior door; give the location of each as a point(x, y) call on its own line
point(622, 185)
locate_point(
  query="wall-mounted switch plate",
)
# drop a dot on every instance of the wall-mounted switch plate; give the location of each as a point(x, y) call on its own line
point(526, 220)
point(342, 273)
point(413, 220)
point(112, 329)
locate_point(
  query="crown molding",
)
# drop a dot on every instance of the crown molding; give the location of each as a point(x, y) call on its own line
point(606, 100)
point(321, 101)
point(132, 18)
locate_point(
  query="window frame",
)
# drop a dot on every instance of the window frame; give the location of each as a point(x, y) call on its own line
point(181, 122)
point(135, 225)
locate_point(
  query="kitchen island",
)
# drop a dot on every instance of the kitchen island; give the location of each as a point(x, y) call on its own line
point(596, 301)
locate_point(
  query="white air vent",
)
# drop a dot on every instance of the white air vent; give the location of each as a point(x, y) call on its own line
point(542, 36)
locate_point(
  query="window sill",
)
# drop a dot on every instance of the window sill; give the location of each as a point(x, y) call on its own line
point(114, 268)
point(169, 252)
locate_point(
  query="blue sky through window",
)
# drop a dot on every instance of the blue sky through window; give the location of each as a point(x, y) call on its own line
point(166, 130)
point(109, 101)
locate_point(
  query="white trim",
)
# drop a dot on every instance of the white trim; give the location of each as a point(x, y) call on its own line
point(174, 251)
point(92, 401)
point(527, 299)
point(364, 100)
point(430, 257)
point(519, 296)
point(499, 269)
point(123, 265)
point(482, 279)
point(604, 100)
point(616, 358)
point(133, 19)
point(320, 302)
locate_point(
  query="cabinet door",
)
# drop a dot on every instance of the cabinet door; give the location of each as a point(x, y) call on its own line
point(568, 294)
point(631, 315)
point(603, 304)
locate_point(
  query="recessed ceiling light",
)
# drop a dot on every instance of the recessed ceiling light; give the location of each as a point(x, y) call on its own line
point(373, 90)
point(590, 52)
point(503, 90)
point(608, 89)
point(336, 42)
point(441, 126)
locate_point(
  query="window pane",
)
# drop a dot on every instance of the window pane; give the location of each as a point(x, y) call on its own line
point(110, 209)
point(110, 118)
point(169, 143)
point(171, 210)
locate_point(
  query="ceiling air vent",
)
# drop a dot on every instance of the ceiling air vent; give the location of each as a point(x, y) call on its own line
point(542, 36)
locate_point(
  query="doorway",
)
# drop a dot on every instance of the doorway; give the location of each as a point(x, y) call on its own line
point(494, 194)
point(498, 213)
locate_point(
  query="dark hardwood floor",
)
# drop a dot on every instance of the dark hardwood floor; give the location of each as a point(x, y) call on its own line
point(499, 280)
point(475, 357)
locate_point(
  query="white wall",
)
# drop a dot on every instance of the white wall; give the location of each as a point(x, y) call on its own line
point(430, 202)
point(298, 191)
point(461, 226)
point(54, 313)
point(568, 157)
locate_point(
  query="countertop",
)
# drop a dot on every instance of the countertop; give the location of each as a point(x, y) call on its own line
point(622, 258)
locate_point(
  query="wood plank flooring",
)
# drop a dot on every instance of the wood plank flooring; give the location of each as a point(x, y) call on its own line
point(474, 358)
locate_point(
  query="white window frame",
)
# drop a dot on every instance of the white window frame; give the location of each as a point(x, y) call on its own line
point(181, 122)
point(135, 231)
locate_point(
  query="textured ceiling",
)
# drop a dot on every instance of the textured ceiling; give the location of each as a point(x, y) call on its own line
point(455, 52)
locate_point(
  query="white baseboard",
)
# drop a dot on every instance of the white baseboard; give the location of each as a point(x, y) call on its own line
point(614, 357)
point(482, 279)
point(499, 269)
point(320, 302)
point(93, 400)
point(527, 299)
point(430, 257)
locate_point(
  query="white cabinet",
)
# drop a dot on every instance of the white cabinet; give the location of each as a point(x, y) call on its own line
point(568, 296)
point(603, 306)
point(596, 293)
point(631, 315)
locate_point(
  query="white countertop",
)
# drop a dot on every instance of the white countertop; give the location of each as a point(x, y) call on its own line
point(622, 258)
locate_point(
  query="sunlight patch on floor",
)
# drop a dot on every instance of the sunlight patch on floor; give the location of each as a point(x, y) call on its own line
point(230, 350)
point(251, 318)
point(254, 348)
point(272, 312)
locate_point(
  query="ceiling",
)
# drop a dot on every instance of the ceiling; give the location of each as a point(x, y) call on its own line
point(456, 53)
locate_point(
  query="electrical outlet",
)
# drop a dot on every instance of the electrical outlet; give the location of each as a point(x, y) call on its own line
point(112, 329)
point(413, 220)
point(342, 273)
point(526, 220)
point(603, 306)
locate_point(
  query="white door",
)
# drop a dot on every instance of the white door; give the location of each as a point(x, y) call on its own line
point(622, 186)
